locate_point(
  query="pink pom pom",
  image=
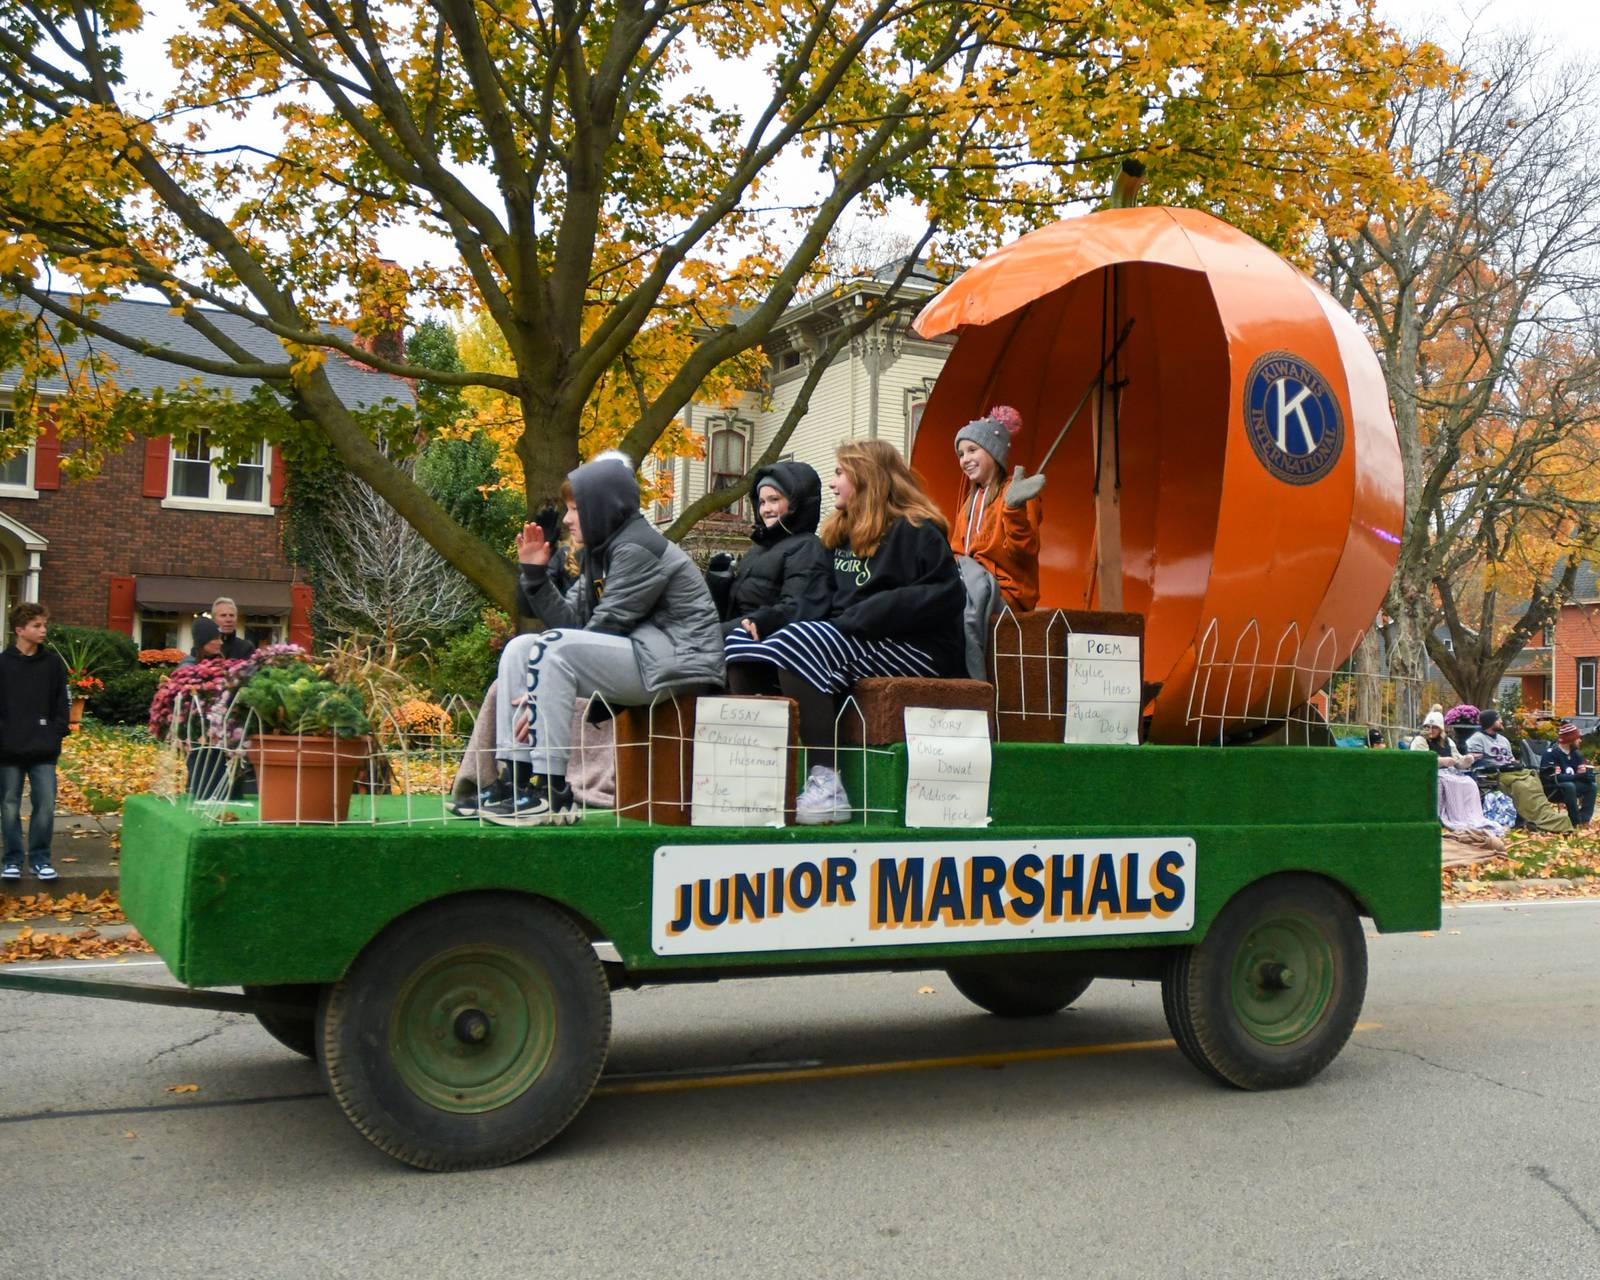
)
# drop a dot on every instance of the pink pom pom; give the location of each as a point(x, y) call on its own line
point(1007, 417)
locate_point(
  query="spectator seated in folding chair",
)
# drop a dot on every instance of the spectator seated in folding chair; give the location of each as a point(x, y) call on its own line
point(1568, 779)
point(1519, 783)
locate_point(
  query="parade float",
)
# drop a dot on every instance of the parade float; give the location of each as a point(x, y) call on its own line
point(1221, 466)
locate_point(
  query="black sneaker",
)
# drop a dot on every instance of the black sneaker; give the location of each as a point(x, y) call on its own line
point(471, 802)
point(544, 802)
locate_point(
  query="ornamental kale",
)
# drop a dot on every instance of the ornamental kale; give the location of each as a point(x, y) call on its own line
point(298, 699)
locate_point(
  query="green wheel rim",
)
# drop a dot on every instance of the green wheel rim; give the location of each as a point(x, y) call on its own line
point(473, 1028)
point(1282, 979)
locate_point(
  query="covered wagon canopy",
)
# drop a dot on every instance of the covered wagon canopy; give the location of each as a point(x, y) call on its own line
point(1252, 453)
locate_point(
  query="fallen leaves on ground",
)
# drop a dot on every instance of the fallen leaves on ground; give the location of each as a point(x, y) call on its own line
point(35, 906)
point(421, 775)
point(1519, 890)
point(183, 1088)
point(85, 944)
point(1535, 856)
point(101, 767)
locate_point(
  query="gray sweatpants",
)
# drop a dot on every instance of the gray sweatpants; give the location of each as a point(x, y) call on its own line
point(549, 670)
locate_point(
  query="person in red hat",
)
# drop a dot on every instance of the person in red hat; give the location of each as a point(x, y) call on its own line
point(1567, 777)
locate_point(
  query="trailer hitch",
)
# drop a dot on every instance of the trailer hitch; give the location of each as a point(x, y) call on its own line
point(144, 993)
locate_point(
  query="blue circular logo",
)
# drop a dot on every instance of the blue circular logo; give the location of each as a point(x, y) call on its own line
point(1292, 418)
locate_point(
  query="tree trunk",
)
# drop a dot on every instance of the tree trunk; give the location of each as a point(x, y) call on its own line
point(1368, 702)
point(548, 450)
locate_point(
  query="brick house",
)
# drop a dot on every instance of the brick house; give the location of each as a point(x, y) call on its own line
point(1575, 653)
point(145, 546)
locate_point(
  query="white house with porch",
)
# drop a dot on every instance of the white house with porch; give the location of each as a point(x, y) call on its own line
point(875, 389)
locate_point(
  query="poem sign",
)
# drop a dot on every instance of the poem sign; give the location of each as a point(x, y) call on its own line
point(1103, 689)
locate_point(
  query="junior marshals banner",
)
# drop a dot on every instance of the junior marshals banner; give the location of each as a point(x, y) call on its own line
point(713, 899)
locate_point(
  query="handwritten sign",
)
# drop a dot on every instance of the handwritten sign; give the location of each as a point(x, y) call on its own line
point(947, 782)
point(1104, 693)
point(741, 762)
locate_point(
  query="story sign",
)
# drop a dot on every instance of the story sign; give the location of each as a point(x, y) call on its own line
point(947, 767)
point(1104, 688)
point(716, 899)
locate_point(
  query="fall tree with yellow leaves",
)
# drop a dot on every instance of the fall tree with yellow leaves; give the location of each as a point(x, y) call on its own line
point(1482, 295)
point(628, 194)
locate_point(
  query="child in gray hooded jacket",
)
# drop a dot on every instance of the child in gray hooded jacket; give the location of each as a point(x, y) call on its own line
point(639, 622)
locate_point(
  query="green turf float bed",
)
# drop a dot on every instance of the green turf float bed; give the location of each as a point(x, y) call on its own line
point(447, 975)
point(242, 903)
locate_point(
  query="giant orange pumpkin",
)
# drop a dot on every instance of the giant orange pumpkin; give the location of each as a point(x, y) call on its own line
point(1261, 487)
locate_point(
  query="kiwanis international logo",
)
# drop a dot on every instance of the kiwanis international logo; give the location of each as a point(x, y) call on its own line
point(1292, 418)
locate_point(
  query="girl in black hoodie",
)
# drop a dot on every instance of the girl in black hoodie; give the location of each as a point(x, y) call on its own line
point(897, 609)
point(788, 575)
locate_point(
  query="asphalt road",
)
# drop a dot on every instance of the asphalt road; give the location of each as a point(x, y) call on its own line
point(1457, 1136)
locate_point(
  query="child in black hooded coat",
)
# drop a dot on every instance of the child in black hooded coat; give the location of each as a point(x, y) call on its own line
point(787, 576)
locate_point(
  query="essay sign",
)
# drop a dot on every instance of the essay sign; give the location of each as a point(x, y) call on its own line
point(741, 762)
point(710, 899)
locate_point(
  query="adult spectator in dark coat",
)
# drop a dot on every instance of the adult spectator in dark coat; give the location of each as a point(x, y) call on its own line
point(225, 613)
point(207, 637)
point(1567, 777)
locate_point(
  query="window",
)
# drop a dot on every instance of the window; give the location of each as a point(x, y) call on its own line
point(259, 630)
point(1586, 670)
point(196, 478)
point(727, 457)
point(13, 590)
point(789, 360)
point(158, 630)
point(16, 472)
point(916, 405)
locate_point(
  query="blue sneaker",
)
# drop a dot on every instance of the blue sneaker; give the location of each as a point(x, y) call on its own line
point(12, 871)
point(45, 871)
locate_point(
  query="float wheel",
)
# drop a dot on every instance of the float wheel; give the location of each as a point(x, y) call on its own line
point(469, 1033)
point(293, 1031)
point(1272, 993)
point(1022, 987)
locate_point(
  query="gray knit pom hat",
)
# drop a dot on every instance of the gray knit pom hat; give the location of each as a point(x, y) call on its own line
point(993, 432)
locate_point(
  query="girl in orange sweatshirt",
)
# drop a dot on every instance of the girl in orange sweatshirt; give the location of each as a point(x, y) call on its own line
point(998, 525)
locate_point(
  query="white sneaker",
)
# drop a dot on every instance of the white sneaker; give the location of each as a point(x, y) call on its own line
point(824, 800)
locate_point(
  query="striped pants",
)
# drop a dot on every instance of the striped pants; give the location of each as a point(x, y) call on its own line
point(827, 659)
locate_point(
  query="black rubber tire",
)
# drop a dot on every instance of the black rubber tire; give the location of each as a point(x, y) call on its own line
point(298, 1033)
point(361, 1072)
point(1197, 991)
point(1024, 987)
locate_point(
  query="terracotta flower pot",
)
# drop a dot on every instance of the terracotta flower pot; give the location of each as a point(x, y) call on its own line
point(307, 778)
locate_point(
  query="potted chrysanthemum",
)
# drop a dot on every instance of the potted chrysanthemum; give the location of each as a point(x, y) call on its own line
point(308, 738)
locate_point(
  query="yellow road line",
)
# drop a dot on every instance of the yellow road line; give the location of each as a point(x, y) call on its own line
point(740, 1079)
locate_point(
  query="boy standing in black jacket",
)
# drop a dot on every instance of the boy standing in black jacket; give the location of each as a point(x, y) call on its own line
point(33, 720)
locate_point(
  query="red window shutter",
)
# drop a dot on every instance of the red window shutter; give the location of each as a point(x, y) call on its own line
point(119, 617)
point(47, 454)
point(278, 477)
point(300, 615)
point(156, 451)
